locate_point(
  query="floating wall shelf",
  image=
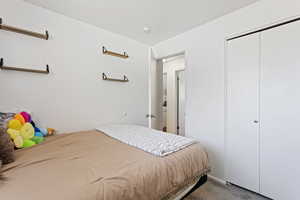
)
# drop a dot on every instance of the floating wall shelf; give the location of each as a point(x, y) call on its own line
point(2, 67)
point(105, 78)
point(111, 53)
point(25, 32)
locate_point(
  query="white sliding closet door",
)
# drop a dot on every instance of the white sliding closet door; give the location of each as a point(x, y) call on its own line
point(280, 112)
point(242, 127)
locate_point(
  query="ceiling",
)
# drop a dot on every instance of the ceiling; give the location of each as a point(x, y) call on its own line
point(165, 18)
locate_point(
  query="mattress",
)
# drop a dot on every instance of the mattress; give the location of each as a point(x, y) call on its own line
point(90, 165)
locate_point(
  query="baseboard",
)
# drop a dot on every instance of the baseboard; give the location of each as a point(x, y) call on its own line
point(217, 179)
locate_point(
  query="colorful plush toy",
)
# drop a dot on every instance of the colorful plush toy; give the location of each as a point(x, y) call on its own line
point(26, 116)
point(24, 133)
point(44, 131)
point(27, 131)
point(20, 118)
point(22, 138)
point(15, 124)
point(37, 139)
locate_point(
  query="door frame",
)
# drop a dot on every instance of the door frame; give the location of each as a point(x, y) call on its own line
point(177, 99)
point(152, 56)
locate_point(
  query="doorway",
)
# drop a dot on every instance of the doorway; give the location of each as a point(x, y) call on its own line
point(167, 103)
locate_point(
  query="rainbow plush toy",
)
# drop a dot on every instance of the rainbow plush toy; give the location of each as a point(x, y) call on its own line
point(24, 133)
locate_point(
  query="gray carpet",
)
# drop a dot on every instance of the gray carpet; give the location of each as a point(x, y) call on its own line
point(216, 191)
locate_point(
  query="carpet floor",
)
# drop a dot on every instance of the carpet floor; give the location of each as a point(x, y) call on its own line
point(216, 191)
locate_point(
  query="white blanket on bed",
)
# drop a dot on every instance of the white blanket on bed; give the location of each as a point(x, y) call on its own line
point(152, 141)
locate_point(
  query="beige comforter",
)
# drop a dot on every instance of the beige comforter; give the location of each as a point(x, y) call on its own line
point(92, 166)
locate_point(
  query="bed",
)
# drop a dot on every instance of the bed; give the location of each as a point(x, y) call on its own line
point(90, 165)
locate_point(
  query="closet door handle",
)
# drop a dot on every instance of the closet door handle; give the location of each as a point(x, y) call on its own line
point(256, 121)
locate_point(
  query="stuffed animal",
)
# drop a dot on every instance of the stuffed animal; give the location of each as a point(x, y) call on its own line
point(15, 124)
point(51, 131)
point(22, 138)
point(44, 131)
point(37, 139)
point(26, 116)
point(24, 133)
point(20, 118)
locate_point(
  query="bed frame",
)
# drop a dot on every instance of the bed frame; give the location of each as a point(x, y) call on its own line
point(201, 182)
point(190, 189)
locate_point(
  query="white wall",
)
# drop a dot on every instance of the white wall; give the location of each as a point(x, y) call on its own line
point(170, 68)
point(205, 54)
point(73, 97)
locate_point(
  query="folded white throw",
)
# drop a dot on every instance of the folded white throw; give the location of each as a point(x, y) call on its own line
point(152, 141)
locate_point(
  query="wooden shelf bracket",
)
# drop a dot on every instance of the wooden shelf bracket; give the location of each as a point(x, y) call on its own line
point(2, 67)
point(105, 78)
point(23, 31)
point(111, 53)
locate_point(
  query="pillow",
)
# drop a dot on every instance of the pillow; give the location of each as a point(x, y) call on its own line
point(6, 149)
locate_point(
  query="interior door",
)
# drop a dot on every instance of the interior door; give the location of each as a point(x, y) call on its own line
point(242, 122)
point(156, 96)
point(280, 111)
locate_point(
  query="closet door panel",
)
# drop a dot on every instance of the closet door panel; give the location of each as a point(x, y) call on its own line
point(280, 112)
point(242, 128)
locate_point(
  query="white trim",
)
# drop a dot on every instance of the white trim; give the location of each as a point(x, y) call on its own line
point(225, 170)
point(149, 87)
point(217, 179)
point(259, 114)
point(186, 90)
point(151, 55)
